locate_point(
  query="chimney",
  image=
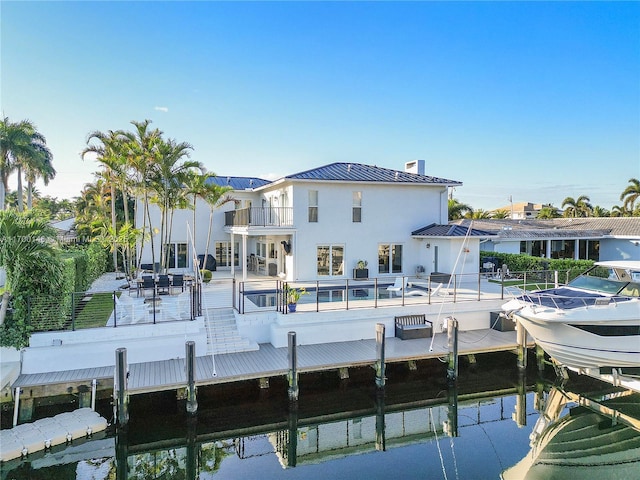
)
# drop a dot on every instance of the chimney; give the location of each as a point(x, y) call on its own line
point(414, 166)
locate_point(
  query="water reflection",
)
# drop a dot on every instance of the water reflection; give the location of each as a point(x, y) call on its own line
point(583, 436)
point(569, 432)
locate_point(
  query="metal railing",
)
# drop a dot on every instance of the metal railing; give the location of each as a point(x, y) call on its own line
point(260, 217)
point(81, 310)
point(327, 295)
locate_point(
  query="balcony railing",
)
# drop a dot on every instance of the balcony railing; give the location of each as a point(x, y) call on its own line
point(260, 217)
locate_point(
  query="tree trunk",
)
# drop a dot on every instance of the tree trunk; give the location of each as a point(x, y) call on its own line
point(20, 199)
point(29, 195)
point(5, 305)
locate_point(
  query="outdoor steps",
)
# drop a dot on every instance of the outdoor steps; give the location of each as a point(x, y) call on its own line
point(223, 336)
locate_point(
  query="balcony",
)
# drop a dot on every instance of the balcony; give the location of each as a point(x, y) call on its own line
point(259, 217)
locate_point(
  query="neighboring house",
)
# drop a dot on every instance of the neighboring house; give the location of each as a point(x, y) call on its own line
point(319, 223)
point(521, 210)
point(65, 230)
point(592, 238)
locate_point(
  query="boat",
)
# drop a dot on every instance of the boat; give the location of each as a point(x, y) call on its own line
point(593, 322)
point(582, 437)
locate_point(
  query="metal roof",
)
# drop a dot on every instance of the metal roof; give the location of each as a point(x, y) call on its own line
point(435, 230)
point(590, 227)
point(358, 172)
point(239, 183)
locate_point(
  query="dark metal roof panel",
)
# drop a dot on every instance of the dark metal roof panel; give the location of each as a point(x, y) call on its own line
point(435, 230)
point(239, 183)
point(357, 172)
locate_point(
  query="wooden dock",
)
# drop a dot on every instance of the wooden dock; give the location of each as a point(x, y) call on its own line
point(269, 361)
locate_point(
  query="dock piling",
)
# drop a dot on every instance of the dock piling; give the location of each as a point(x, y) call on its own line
point(121, 379)
point(452, 338)
point(521, 341)
point(16, 405)
point(190, 365)
point(380, 366)
point(293, 368)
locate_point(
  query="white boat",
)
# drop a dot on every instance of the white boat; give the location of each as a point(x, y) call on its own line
point(593, 322)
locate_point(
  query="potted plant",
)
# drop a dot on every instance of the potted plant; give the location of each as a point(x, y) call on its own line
point(361, 270)
point(293, 295)
point(206, 275)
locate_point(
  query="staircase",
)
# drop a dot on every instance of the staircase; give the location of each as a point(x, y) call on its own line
point(222, 333)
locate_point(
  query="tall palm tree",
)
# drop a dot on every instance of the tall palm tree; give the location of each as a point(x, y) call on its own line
point(108, 152)
point(457, 209)
point(548, 211)
point(579, 207)
point(631, 194)
point(21, 145)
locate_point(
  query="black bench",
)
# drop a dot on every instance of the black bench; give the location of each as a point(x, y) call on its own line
point(413, 326)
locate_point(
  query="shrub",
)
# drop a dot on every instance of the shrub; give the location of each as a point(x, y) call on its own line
point(206, 275)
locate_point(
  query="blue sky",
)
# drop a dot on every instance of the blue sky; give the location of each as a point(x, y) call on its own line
point(538, 101)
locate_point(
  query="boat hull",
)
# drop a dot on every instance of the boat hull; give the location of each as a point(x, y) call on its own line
point(581, 341)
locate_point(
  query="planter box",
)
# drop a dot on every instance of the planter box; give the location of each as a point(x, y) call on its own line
point(360, 273)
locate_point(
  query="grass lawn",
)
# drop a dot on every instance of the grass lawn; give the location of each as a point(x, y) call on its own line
point(95, 311)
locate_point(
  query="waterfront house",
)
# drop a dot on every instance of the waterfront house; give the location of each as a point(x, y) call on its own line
point(592, 238)
point(318, 224)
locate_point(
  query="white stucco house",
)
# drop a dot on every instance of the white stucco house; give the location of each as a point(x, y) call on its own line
point(592, 238)
point(319, 223)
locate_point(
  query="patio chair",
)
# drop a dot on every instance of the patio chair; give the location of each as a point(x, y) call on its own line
point(399, 285)
point(148, 283)
point(177, 281)
point(163, 284)
point(177, 307)
point(128, 310)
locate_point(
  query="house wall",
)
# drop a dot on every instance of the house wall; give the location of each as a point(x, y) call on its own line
point(619, 249)
point(389, 214)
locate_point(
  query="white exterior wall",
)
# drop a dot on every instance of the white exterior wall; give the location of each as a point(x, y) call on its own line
point(389, 214)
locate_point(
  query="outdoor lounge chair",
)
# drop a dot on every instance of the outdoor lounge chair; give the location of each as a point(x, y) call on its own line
point(399, 285)
point(163, 284)
point(177, 281)
point(128, 311)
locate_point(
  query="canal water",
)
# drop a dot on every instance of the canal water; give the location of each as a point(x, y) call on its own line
point(493, 423)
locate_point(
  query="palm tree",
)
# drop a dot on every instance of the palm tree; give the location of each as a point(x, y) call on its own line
point(500, 214)
point(579, 207)
point(599, 211)
point(548, 211)
point(22, 146)
point(478, 214)
point(631, 194)
point(458, 210)
point(216, 197)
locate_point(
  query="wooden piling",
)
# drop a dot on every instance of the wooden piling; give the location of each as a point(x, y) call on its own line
point(293, 368)
point(540, 358)
point(451, 427)
point(452, 338)
point(380, 365)
point(16, 405)
point(190, 365)
point(122, 401)
point(521, 341)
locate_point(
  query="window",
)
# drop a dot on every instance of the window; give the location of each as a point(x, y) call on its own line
point(177, 255)
point(223, 254)
point(356, 215)
point(389, 258)
point(313, 206)
point(330, 260)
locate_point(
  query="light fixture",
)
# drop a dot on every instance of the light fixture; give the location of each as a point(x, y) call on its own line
point(428, 245)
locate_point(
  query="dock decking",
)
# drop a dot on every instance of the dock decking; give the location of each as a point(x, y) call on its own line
point(269, 361)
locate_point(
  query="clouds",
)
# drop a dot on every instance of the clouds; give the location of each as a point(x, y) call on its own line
point(161, 109)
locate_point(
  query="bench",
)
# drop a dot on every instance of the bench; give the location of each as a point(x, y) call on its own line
point(413, 326)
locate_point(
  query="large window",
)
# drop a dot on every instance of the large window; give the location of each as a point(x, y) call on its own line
point(356, 214)
point(223, 254)
point(177, 255)
point(390, 258)
point(330, 260)
point(313, 206)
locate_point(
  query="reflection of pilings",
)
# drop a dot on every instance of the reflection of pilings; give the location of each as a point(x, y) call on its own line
point(451, 427)
point(521, 401)
point(521, 340)
point(380, 367)
point(121, 379)
point(190, 365)
point(380, 425)
point(192, 449)
point(122, 454)
point(293, 368)
point(292, 444)
point(540, 358)
point(539, 400)
point(452, 337)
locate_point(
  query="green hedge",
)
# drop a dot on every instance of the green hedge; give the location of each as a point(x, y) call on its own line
point(525, 263)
